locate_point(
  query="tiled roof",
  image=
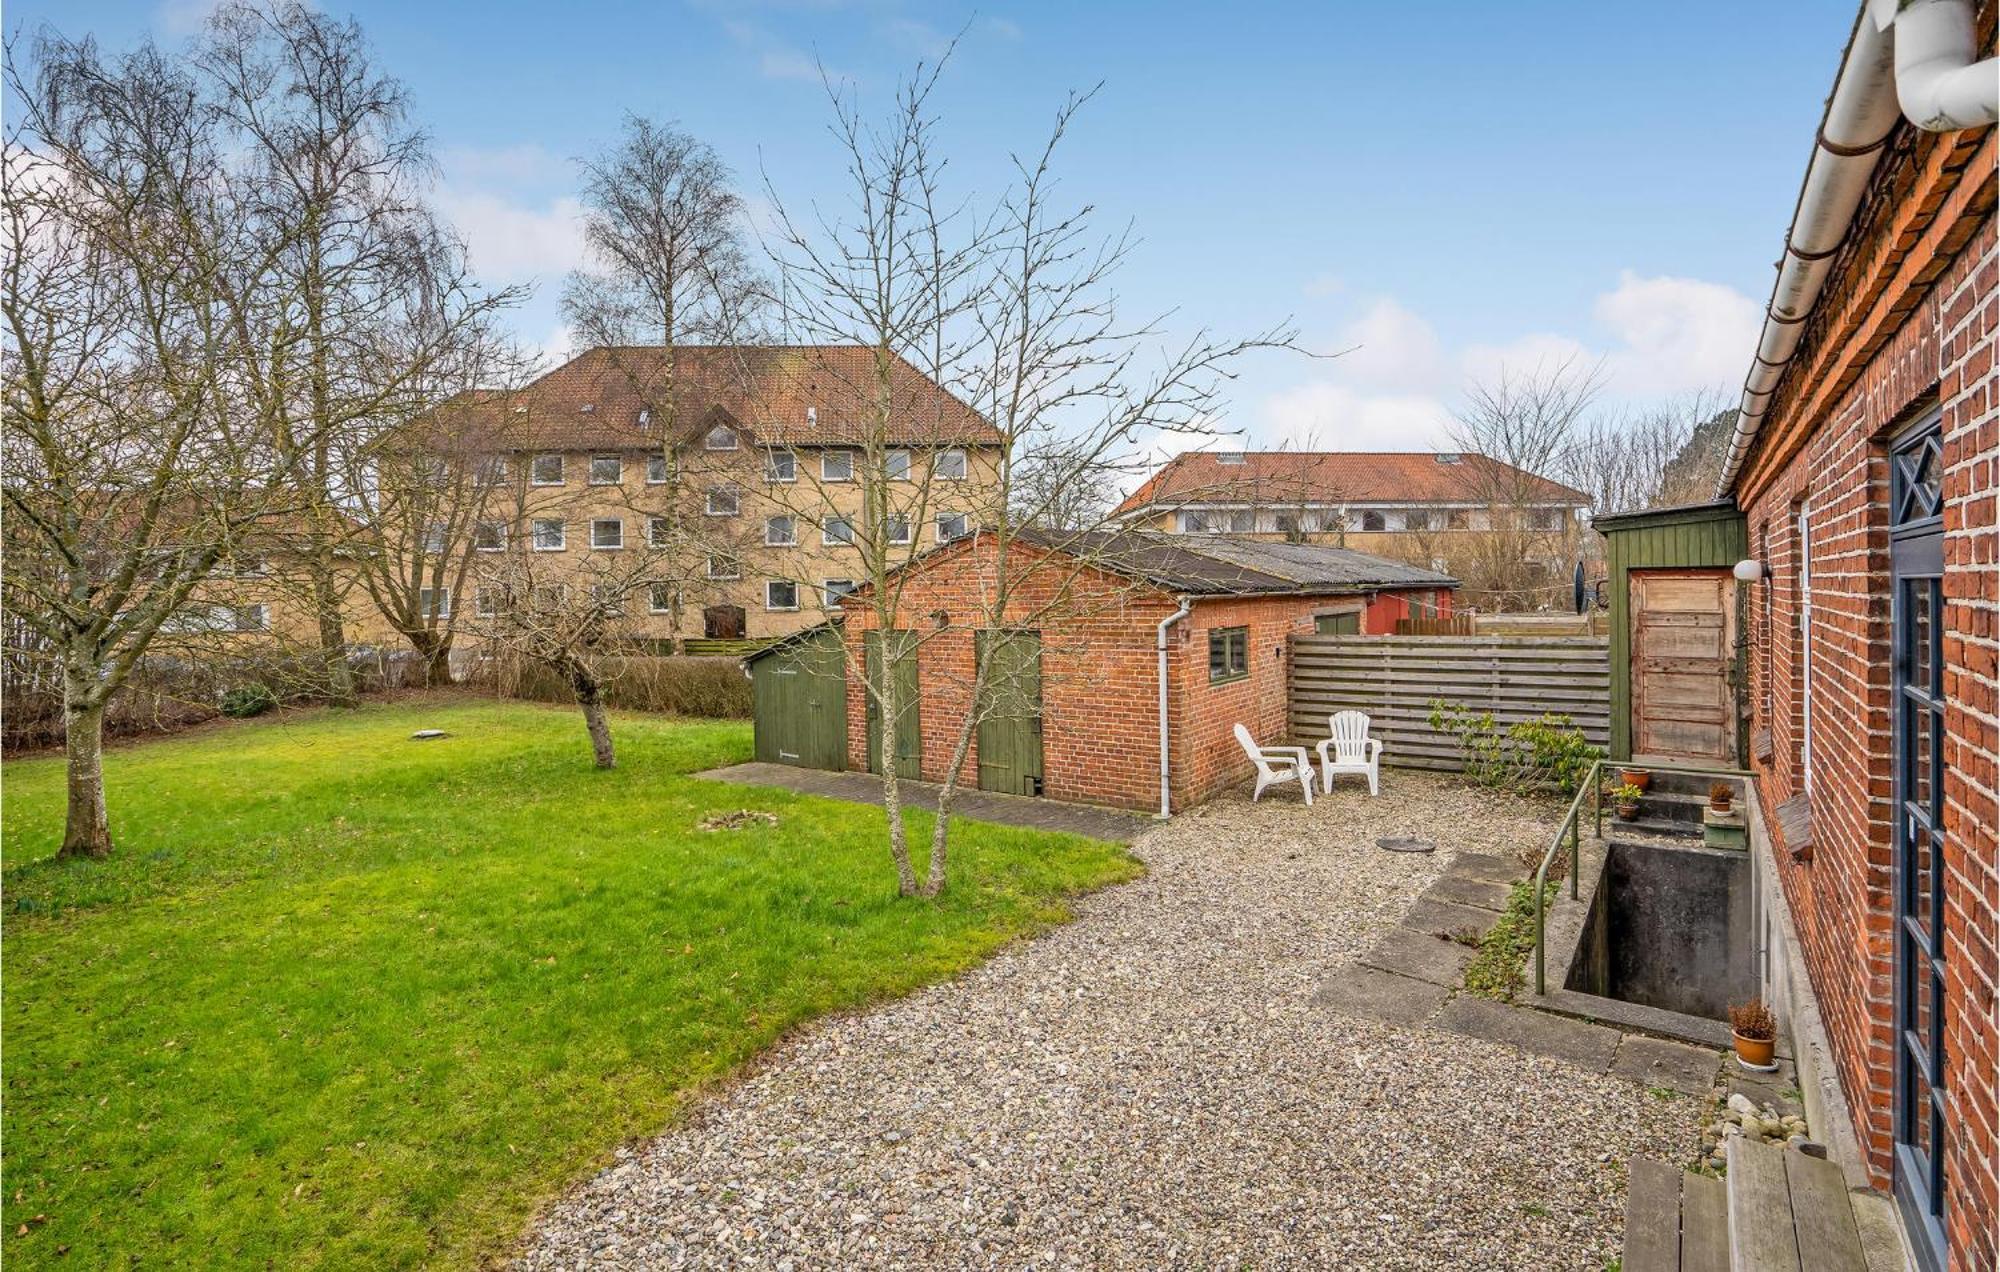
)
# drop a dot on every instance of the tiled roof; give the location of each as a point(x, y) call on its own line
point(784, 395)
point(1217, 565)
point(1278, 477)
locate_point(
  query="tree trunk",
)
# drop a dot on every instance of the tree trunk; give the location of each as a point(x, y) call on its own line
point(590, 697)
point(88, 831)
point(435, 649)
point(960, 750)
point(892, 795)
point(340, 687)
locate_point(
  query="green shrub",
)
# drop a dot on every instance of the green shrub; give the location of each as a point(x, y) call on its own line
point(244, 701)
point(1544, 756)
point(713, 688)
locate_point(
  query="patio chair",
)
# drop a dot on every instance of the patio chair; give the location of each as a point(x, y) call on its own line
point(1277, 764)
point(1350, 750)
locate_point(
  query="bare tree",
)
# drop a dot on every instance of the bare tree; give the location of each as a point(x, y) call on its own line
point(1627, 462)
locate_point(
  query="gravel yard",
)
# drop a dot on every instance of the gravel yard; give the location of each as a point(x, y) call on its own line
point(1153, 1086)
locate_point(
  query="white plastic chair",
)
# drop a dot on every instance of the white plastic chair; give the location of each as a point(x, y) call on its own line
point(1277, 764)
point(1350, 750)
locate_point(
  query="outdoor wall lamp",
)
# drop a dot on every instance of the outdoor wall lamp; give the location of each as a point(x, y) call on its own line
point(1749, 571)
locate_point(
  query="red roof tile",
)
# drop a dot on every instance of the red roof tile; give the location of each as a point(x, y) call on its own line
point(1268, 477)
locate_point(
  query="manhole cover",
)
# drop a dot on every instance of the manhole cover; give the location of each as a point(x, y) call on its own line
point(1405, 844)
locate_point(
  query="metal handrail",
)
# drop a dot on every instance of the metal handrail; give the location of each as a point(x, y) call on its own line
point(1593, 785)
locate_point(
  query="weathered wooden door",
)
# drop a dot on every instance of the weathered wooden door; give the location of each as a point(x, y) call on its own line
point(1683, 645)
point(909, 714)
point(722, 622)
point(799, 697)
point(1010, 726)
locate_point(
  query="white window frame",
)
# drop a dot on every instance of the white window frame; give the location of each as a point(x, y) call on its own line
point(734, 496)
point(426, 598)
point(485, 600)
point(832, 597)
point(786, 609)
point(895, 520)
point(653, 594)
point(937, 523)
point(596, 523)
point(480, 527)
point(255, 617)
point(657, 464)
point(827, 539)
point(791, 539)
point(845, 473)
point(535, 534)
point(534, 476)
point(964, 464)
point(722, 433)
point(436, 534)
point(732, 567)
point(658, 531)
point(617, 477)
point(896, 464)
point(772, 475)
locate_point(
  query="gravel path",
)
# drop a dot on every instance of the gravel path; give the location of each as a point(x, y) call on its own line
point(1153, 1086)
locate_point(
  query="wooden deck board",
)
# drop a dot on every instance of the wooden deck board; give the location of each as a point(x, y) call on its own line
point(1652, 1218)
point(1822, 1216)
point(1704, 1224)
point(1760, 1209)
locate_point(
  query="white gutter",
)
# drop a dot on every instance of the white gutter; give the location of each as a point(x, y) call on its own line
point(1160, 646)
point(1925, 49)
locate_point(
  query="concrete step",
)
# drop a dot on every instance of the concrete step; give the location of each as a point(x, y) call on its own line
point(1667, 782)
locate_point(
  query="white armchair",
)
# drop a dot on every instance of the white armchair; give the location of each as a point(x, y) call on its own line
point(1277, 764)
point(1350, 750)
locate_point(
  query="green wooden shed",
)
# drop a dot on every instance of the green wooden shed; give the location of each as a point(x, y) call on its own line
point(1677, 662)
point(798, 686)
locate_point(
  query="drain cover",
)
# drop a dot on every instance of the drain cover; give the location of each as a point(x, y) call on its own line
point(1399, 844)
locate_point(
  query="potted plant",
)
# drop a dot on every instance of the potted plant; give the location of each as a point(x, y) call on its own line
point(1625, 801)
point(1641, 778)
point(1755, 1032)
point(1720, 795)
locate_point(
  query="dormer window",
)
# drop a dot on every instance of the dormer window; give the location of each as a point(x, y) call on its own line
point(720, 438)
point(1229, 457)
point(1448, 457)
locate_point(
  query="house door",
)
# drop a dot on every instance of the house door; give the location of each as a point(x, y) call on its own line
point(799, 696)
point(722, 622)
point(1683, 644)
point(1010, 726)
point(909, 715)
point(1916, 555)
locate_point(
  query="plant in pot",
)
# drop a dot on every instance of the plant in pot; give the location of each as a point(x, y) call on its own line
point(1625, 800)
point(1720, 795)
point(1638, 777)
point(1755, 1032)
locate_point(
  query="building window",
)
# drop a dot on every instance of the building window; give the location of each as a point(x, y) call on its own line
point(660, 598)
point(781, 532)
point(434, 538)
point(837, 530)
point(607, 534)
point(491, 471)
point(433, 603)
point(950, 525)
point(548, 534)
point(487, 602)
point(899, 529)
point(548, 598)
point(199, 617)
point(949, 465)
point(836, 465)
point(1194, 523)
point(835, 589)
point(781, 465)
point(1770, 632)
point(1229, 457)
point(781, 594)
point(1458, 519)
point(546, 470)
point(1545, 518)
point(609, 598)
point(1228, 654)
point(723, 502)
point(606, 470)
point(724, 567)
point(489, 536)
point(896, 465)
point(1242, 521)
point(656, 470)
point(1802, 644)
point(1373, 520)
point(1417, 519)
point(658, 531)
point(720, 438)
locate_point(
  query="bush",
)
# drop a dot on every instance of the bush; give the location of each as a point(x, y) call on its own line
point(715, 688)
point(1544, 756)
point(245, 701)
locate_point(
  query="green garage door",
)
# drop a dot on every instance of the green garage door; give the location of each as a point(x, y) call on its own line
point(909, 718)
point(799, 692)
point(1010, 728)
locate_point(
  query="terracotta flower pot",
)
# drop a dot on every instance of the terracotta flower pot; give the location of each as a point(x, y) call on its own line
point(1755, 1052)
point(1720, 805)
point(1640, 778)
point(1626, 812)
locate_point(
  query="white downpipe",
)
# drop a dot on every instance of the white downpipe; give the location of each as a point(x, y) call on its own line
point(1907, 57)
point(1160, 647)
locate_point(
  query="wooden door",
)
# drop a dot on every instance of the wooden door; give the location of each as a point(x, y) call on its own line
point(722, 622)
point(800, 704)
point(1683, 645)
point(909, 712)
point(1010, 725)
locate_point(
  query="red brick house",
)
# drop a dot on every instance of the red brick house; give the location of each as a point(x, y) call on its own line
point(1092, 622)
point(1866, 465)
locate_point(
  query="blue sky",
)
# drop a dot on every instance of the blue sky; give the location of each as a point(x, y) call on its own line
point(1451, 186)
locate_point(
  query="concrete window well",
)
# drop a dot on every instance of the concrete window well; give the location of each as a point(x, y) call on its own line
point(1663, 935)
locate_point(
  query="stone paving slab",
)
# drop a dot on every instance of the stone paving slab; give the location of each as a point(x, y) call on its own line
point(1676, 1066)
point(1111, 824)
point(1420, 956)
point(1589, 1045)
point(1379, 995)
point(1484, 866)
point(1461, 890)
point(1432, 915)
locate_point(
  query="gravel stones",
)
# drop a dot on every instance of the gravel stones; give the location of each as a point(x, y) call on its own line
point(1153, 1086)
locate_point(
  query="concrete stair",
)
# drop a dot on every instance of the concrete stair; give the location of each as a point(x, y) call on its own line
point(1777, 1210)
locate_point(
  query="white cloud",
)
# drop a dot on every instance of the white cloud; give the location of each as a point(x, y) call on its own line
point(1537, 350)
point(511, 242)
point(1323, 415)
point(1677, 334)
point(1390, 348)
point(183, 17)
point(920, 38)
point(1320, 286)
point(525, 164)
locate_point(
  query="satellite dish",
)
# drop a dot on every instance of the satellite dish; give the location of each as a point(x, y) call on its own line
point(1576, 589)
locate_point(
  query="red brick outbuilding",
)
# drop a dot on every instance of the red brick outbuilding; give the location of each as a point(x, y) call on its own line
point(1094, 611)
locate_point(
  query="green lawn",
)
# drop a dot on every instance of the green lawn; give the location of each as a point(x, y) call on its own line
point(345, 999)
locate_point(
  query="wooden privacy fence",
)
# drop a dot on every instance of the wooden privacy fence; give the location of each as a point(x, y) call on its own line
point(1395, 678)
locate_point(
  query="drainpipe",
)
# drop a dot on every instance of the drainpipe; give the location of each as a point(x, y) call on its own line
point(1160, 647)
point(1907, 57)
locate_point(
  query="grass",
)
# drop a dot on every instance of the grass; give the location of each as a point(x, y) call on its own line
point(1497, 971)
point(346, 999)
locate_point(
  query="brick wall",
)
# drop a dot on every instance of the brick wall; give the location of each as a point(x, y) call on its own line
point(1207, 757)
point(1908, 320)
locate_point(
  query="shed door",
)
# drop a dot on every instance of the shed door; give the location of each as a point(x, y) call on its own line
point(909, 716)
point(1683, 641)
point(1010, 726)
point(799, 699)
